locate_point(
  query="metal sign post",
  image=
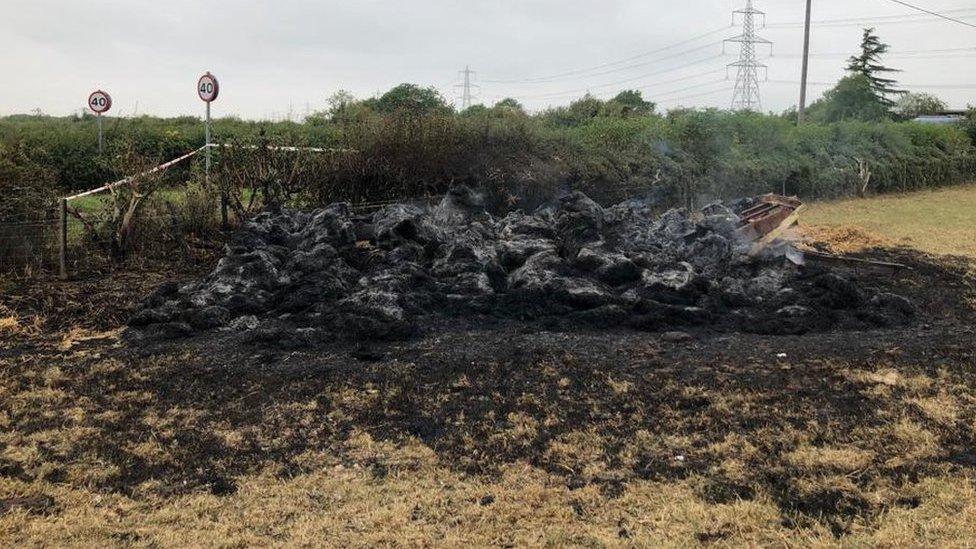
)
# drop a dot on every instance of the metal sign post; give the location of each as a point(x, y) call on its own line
point(206, 138)
point(207, 89)
point(99, 102)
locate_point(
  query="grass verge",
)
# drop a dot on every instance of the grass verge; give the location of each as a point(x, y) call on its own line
point(940, 221)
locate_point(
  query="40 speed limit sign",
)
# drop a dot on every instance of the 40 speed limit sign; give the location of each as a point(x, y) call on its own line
point(207, 87)
point(99, 101)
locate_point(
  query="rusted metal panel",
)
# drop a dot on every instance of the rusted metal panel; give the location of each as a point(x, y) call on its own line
point(774, 214)
point(768, 219)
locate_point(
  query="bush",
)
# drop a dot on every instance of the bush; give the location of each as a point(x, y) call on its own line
point(911, 105)
point(26, 186)
point(610, 149)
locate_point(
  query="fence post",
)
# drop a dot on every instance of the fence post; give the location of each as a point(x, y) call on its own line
point(63, 239)
point(209, 145)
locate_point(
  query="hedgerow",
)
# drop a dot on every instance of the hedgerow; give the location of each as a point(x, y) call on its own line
point(682, 157)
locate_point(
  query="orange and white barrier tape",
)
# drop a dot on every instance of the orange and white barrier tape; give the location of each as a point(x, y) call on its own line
point(125, 180)
point(282, 148)
point(177, 160)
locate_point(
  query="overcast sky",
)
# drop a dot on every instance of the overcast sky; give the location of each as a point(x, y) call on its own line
point(276, 57)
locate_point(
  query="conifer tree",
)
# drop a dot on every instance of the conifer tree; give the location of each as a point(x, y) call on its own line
point(868, 63)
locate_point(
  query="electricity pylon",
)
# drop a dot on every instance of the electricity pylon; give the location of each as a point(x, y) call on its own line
point(746, 94)
point(466, 85)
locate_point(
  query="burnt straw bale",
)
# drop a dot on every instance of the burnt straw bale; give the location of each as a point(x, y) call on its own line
point(328, 273)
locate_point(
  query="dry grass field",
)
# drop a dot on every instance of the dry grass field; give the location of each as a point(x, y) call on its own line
point(500, 436)
point(941, 221)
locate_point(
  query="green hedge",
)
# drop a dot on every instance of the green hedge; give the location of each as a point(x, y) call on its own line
point(683, 156)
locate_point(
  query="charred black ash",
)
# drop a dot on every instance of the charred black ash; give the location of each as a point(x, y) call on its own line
point(331, 273)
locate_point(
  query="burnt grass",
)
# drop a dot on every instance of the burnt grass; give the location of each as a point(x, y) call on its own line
point(463, 384)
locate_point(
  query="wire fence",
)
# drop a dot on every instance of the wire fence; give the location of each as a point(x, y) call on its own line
point(181, 216)
point(174, 221)
point(29, 245)
point(37, 246)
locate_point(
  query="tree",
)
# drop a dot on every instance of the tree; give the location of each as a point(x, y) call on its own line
point(579, 112)
point(475, 110)
point(969, 123)
point(509, 104)
point(852, 98)
point(629, 102)
point(868, 64)
point(412, 98)
point(585, 108)
point(912, 105)
point(339, 103)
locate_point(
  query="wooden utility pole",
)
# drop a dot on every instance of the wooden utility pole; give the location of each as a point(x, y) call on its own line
point(803, 76)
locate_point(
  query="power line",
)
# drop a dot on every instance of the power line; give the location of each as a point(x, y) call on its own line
point(930, 12)
point(658, 83)
point(692, 87)
point(896, 53)
point(872, 20)
point(900, 57)
point(683, 78)
point(583, 72)
point(726, 89)
point(746, 90)
point(853, 21)
point(618, 82)
point(899, 84)
point(609, 64)
point(940, 86)
point(625, 68)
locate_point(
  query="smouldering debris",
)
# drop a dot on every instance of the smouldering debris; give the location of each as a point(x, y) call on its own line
point(298, 276)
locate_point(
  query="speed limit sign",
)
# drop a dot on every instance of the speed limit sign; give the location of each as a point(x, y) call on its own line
point(207, 87)
point(99, 101)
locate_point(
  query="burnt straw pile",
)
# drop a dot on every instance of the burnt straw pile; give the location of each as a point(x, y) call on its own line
point(313, 276)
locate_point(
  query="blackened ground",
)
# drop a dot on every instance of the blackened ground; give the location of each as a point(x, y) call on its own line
point(731, 409)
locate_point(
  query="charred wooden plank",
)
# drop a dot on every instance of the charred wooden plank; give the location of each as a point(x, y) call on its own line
point(854, 263)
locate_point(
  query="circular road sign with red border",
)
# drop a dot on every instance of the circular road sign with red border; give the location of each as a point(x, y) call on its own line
point(207, 87)
point(99, 101)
